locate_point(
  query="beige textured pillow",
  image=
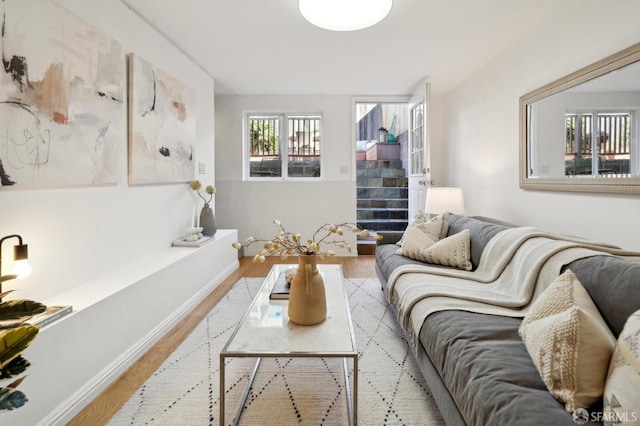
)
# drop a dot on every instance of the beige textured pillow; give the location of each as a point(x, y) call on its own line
point(412, 241)
point(622, 389)
point(419, 217)
point(445, 225)
point(569, 342)
point(415, 239)
point(452, 251)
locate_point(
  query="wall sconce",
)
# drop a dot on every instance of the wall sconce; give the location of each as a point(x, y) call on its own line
point(441, 200)
point(383, 135)
point(21, 267)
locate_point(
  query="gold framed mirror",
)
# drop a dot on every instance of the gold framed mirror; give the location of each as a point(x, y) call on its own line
point(582, 132)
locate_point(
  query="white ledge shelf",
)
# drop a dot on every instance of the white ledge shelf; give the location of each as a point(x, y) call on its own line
point(116, 318)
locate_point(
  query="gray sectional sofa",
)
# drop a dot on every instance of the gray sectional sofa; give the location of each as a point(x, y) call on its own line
point(476, 364)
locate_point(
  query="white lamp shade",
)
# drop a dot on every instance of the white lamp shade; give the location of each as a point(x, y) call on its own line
point(344, 15)
point(441, 200)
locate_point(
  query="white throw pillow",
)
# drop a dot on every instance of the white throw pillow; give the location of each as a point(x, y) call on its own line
point(415, 240)
point(419, 217)
point(412, 241)
point(622, 389)
point(445, 225)
point(569, 342)
point(452, 251)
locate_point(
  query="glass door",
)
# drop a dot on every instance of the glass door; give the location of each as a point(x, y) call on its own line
point(418, 150)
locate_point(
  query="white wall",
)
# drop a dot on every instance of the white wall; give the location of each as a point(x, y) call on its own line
point(106, 250)
point(75, 234)
point(250, 206)
point(481, 127)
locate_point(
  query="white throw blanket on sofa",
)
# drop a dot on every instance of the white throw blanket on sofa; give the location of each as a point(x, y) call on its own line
point(516, 266)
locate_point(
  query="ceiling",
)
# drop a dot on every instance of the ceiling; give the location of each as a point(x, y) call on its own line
point(265, 47)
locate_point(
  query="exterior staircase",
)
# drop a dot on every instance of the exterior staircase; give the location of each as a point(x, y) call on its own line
point(382, 198)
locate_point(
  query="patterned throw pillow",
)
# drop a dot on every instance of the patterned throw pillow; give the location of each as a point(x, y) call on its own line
point(413, 240)
point(421, 217)
point(569, 342)
point(418, 217)
point(445, 225)
point(622, 389)
point(452, 251)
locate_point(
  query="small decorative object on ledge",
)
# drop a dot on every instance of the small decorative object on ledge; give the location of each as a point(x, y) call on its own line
point(307, 301)
point(194, 234)
point(183, 242)
point(206, 220)
point(194, 238)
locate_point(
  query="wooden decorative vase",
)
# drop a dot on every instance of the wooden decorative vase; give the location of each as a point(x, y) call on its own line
point(307, 300)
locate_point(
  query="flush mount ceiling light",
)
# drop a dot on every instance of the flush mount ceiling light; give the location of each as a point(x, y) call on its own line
point(344, 15)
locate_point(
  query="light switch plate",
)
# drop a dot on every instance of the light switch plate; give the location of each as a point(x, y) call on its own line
point(201, 167)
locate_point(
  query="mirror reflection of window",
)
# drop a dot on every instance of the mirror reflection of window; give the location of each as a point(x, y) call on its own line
point(612, 144)
point(597, 120)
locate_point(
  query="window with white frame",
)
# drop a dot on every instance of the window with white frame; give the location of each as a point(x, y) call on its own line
point(600, 143)
point(282, 146)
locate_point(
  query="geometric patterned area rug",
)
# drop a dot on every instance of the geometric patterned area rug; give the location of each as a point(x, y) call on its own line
point(287, 391)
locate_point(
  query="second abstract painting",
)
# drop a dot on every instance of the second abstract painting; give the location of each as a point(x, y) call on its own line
point(162, 126)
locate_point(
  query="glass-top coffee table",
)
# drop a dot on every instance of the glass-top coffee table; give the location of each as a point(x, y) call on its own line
point(262, 334)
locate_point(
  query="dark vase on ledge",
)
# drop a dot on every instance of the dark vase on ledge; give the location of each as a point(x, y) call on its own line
point(208, 221)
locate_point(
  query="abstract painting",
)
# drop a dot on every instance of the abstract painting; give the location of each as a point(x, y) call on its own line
point(62, 106)
point(162, 126)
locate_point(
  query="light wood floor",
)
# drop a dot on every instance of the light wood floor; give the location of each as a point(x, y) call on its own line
point(100, 411)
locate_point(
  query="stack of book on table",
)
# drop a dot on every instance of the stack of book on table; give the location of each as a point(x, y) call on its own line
point(281, 288)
